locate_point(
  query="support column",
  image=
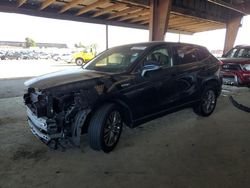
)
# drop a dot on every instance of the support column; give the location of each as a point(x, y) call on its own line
point(107, 37)
point(231, 33)
point(159, 17)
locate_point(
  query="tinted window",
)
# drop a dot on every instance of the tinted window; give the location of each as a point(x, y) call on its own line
point(185, 54)
point(159, 56)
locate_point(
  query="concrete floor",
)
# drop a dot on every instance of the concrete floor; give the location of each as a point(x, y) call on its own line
point(180, 150)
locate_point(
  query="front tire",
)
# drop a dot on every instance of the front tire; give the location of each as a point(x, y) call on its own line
point(207, 102)
point(79, 61)
point(105, 128)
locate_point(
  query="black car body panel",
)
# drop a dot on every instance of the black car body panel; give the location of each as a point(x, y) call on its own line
point(144, 90)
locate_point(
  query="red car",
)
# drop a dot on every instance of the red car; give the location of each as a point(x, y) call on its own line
point(235, 68)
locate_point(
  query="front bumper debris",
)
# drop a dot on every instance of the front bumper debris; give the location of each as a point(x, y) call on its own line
point(39, 127)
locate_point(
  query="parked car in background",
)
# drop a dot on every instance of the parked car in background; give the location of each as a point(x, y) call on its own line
point(11, 55)
point(43, 55)
point(129, 85)
point(2, 53)
point(235, 68)
point(66, 57)
point(84, 56)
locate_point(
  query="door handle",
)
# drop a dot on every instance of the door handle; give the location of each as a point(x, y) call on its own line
point(125, 85)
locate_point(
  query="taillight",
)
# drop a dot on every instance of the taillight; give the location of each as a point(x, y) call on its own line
point(220, 62)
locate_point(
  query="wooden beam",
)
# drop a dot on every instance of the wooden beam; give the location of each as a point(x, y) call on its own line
point(46, 3)
point(186, 22)
point(54, 15)
point(201, 29)
point(159, 17)
point(200, 25)
point(109, 9)
point(135, 14)
point(231, 33)
point(139, 19)
point(21, 2)
point(124, 12)
point(180, 31)
point(141, 3)
point(144, 22)
point(179, 21)
point(91, 7)
point(178, 18)
point(70, 5)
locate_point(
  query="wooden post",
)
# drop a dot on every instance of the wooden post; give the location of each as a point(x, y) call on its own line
point(159, 17)
point(231, 33)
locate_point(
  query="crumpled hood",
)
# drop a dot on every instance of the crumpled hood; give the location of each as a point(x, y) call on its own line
point(236, 60)
point(63, 77)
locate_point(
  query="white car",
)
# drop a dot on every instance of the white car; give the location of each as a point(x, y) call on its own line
point(63, 57)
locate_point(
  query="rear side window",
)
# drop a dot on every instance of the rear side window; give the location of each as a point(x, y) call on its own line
point(185, 54)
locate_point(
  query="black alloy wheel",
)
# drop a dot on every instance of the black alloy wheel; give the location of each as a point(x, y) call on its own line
point(105, 128)
point(207, 102)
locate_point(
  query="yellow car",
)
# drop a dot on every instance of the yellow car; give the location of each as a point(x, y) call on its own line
point(82, 57)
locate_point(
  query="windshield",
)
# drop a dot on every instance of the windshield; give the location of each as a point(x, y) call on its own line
point(116, 59)
point(239, 53)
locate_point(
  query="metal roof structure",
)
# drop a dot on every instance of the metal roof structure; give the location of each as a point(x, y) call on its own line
point(186, 16)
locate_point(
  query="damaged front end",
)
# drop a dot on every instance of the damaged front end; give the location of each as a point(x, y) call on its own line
point(51, 118)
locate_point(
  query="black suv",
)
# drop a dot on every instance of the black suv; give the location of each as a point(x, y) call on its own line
point(128, 85)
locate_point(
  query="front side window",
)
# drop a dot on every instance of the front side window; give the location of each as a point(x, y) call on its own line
point(160, 57)
point(116, 60)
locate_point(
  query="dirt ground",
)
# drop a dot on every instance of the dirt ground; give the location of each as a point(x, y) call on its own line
point(180, 150)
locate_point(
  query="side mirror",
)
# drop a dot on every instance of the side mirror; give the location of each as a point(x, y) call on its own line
point(149, 68)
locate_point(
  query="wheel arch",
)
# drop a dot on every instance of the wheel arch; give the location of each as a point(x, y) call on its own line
point(213, 82)
point(126, 111)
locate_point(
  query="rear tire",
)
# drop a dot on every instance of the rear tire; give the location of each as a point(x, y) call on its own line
point(207, 102)
point(105, 128)
point(79, 61)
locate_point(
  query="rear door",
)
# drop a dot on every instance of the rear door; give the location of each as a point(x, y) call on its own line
point(186, 60)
